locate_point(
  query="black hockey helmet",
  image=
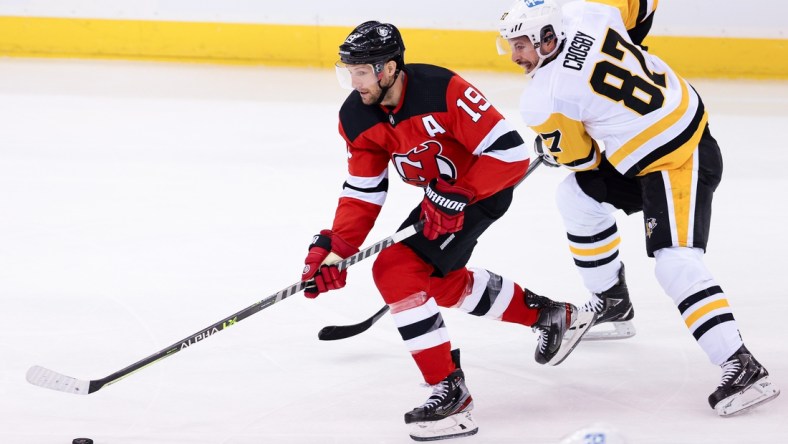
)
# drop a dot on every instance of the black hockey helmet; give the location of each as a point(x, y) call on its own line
point(373, 43)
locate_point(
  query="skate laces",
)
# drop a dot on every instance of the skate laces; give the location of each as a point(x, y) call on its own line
point(542, 337)
point(594, 304)
point(729, 370)
point(439, 392)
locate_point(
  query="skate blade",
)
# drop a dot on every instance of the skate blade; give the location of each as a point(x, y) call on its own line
point(759, 393)
point(454, 426)
point(584, 321)
point(601, 332)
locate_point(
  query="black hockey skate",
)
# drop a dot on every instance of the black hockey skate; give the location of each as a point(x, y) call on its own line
point(612, 307)
point(745, 384)
point(555, 319)
point(447, 412)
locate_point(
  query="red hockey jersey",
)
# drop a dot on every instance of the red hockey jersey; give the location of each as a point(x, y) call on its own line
point(442, 126)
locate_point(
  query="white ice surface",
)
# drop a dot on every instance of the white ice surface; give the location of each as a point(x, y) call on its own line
point(141, 202)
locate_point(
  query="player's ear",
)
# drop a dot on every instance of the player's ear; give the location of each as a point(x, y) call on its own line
point(391, 67)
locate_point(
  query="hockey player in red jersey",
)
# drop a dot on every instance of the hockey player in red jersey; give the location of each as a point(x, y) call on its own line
point(441, 134)
point(593, 86)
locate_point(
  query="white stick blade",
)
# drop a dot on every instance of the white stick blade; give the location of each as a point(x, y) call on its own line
point(46, 378)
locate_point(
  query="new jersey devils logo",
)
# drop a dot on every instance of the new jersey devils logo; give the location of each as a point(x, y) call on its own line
point(424, 163)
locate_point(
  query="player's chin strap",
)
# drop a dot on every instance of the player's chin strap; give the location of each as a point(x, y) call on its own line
point(385, 89)
point(544, 60)
point(335, 332)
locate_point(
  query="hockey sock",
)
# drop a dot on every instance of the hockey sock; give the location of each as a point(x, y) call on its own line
point(593, 236)
point(421, 326)
point(700, 300)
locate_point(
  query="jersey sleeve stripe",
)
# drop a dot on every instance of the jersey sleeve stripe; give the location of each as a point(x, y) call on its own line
point(511, 154)
point(367, 189)
point(383, 186)
point(373, 198)
point(501, 137)
point(508, 141)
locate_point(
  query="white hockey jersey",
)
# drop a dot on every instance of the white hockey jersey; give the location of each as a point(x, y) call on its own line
point(604, 88)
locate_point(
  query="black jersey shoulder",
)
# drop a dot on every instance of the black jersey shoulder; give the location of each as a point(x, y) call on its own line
point(426, 91)
point(424, 94)
point(355, 117)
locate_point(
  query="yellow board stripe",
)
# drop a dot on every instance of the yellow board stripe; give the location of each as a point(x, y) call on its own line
point(721, 303)
point(316, 46)
point(595, 251)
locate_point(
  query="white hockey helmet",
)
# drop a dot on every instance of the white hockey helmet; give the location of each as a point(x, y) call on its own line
point(539, 20)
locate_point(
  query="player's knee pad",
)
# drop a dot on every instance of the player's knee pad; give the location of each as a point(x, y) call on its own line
point(581, 213)
point(398, 273)
point(681, 271)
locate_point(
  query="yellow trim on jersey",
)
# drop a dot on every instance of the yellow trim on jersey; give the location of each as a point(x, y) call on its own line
point(316, 46)
point(649, 133)
point(629, 9)
point(595, 251)
point(679, 156)
point(714, 305)
point(575, 145)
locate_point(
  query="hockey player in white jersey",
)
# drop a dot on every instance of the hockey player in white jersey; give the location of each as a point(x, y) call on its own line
point(635, 135)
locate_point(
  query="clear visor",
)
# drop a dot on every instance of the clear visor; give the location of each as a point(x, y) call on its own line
point(503, 46)
point(354, 76)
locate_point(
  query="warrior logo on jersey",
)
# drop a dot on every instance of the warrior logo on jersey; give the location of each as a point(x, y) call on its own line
point(424, 163)
point(532, 3)
point(651, 223)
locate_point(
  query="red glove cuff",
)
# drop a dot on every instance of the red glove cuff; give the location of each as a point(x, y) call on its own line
point(326, 277)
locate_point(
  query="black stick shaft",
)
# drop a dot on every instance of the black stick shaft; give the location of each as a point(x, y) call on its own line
point(248, 311)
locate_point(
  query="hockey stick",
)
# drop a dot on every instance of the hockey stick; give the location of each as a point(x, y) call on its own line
point(336, 332)
point(50, 379)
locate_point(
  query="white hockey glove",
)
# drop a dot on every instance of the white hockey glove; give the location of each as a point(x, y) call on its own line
point(545, 154)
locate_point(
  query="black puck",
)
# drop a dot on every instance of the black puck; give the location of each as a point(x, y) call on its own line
point(82, 441)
